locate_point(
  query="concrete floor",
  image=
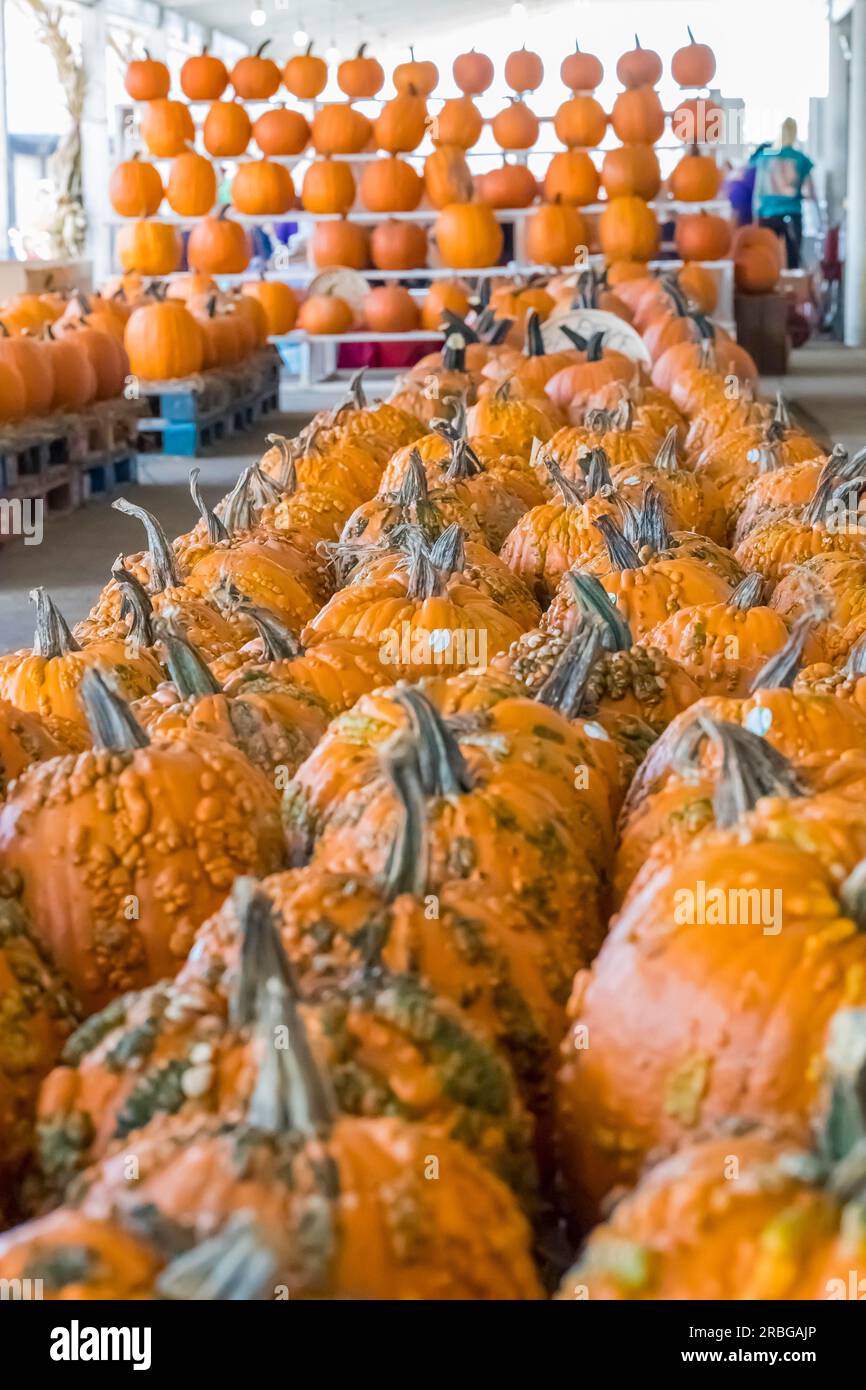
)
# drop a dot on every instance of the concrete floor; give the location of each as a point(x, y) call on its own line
point(826, 382)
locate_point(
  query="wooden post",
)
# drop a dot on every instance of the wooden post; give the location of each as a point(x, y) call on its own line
point(94, 140)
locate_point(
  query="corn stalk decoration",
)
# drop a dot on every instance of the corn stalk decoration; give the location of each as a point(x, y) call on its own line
point(68, 224)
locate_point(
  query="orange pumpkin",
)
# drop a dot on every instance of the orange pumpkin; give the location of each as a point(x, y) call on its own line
point(163, 341)
point(390, 185)
point(135, 188)
point(329, 186)
point(468, 236)
point(524, 70)
point(631, 171)
point(418, 75)
point(699, 121)
point(443, 294)
point(694, 65)
point(192, 187)
point(75, 383)
point(218, 246)
point(167, 128)
point(360, 77)
point(581, 72)
point(305, 75)
point(447, 178)
point(281, 132)
point(702, 236)
point(458, 123)
point(203, 77)
point(512, 186)
point(340, 129)
point(628, 230)
point(398, 245)
point(638, 117)
point(401, 123)
point(150, 248)
point(147, 79)
point(473, 72)
point(262, 188)
point(325, 313)
point(341, 243)
point(554, 233)
point(639, 67)
point(227, 130)
point(515, 128)
point(390, 309)
point(696, 179)
point(279, 302)
point(580, 122)
point(256, 78)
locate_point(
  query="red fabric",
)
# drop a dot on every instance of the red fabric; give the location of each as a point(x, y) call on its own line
point(351, 356)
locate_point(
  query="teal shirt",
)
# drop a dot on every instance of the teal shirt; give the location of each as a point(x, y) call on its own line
point(779, 178)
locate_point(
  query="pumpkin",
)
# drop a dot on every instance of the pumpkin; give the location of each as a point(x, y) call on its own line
point(572, 386)
point(105, 353)
point(149, 248)
point(472, 72)
point(218, 246)
point(702, 236)
point(341, 243)
point(699, 121)
point(325, 313)
point(515, 127)
point(518, 421)
point(222, 343)
point(328, 187)
point(398, 245)
point(191, 287)
point(638, 117)
point(192, 187)
point(401, 123)
point(75, 1257)
point(581, 72)
point(167, 128)
point(756, 270)
point(279, 302)
point(639, 67)
point(254, 77)
point(203, 77)
point(628, 230)
point(163, 341)
point(829, 523)
point(447, 178)
point(390, 309)
point(146, 79)
point(340, 129)
point(227, 130)
point(468, 236)
point(725, 357)
point(723, 646)
point(442, 295)
point(699, 285)
point(360, 77)
point(514, 185)
point(262, 188)
point(390, 185)
point(524, 70)
point(135, 188)
point(418, 75)
point(554, 233)
point(697, 178)
point(30, 367)
point(74, 374)
point(664, 966)
point(580, 122)
point(694, 65)
point(281, 132)
point(631, 171)
point(458, 122)
point(305, 75)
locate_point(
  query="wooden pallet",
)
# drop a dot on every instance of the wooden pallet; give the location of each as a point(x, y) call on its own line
point(189, 416)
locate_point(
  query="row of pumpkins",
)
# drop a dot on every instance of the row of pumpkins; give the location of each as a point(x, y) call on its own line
point(312, 829)
point(256, 77)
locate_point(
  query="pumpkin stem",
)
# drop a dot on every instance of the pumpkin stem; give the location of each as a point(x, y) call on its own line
point(406, 867)
point(442, 767)
point(595, 605)
point(52, 636)
point(357, 398)
point(855, 664)
point(565, 688)
point(751, 769)
point(424, 581)
point(585, 296)
point(261, 48)
point(498, 332)
point(534, 343)
point(780, 671)
point(647, 527)
point(598, 480)
point(110, 720)
point(454, 353)
point(455, 324)
point(135, 604)
point(162, 561)
point(263, 955)
point(464, 463)
point(239, 514)
point(278, 643)
point(413, 487)
point(216, 531)
point(189, 672)
point(574, 338)
point(666, 460)
point(621, 552)
point(448, 552)
point(594, 348)
point(748, 594)
point(239, 1263)
point(781, 415)
point(568, 491)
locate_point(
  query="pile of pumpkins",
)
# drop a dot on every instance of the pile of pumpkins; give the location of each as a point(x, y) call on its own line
point(58, 353)
point(345, 842)
point(467, 232)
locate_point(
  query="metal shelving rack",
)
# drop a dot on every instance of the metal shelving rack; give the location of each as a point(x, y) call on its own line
point(310, 376)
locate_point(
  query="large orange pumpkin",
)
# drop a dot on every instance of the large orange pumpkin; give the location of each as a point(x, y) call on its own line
point(227, 130)
point(390, 309)
point(571, 178)
point(329, 186)
point(696, 179)
point(150, 248)
point(458, 122)
point(163, 341)
point(398, 245)
point(637, 116)
point(468, 236)
point(147, 79)
point(218, 246)
point(203, 77)
point(524, 70)
point(341, 243)
point(702, 236)
point(554, 233)
point(580, 122)
point(639, 67)
point(515, 128)
point(418, 75)
point(167, 128)
point(192, 187)
point(693, 65)
point(473, 72)
point(340, 129)
point(75, 383)
point(512, 186)
point(390, 185)
point(279, 302)
point(631, 171)
point(581, 72)
point(401, 123)
point(699, 121)
point(360, 77)
point(262, 188)
point(305, 75)
point(447, 178)
point(281, 132)
point(256, 78)
point(443, 294)
point(325, 313)
point(628, 230)
point(135, 188)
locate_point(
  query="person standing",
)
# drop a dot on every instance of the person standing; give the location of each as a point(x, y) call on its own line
point(782, 181)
